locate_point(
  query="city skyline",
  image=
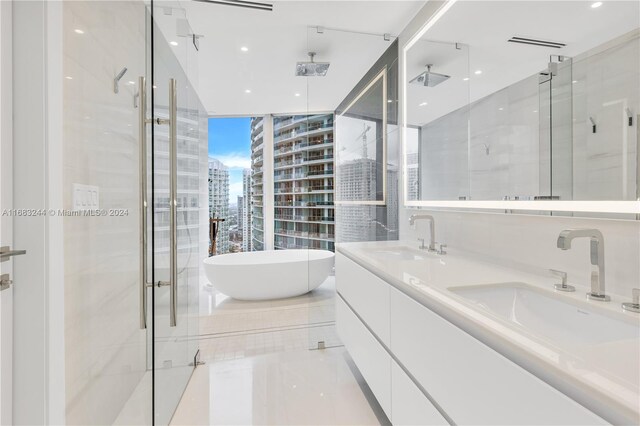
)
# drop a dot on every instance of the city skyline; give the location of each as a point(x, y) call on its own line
point(230, 143)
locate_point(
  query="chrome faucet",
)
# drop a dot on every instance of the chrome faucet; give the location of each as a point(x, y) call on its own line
point(597, 258)
point(432, 230)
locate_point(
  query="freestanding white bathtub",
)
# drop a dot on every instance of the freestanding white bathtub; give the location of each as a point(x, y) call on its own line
point(269, 274)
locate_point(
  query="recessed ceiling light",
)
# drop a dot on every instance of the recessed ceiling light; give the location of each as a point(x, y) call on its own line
point(244, 48)
point(574, 81)
point(478, 72)
point(535, 110)
point(78, 31)
point(389, 101)
point(596, 5)
point(247, 91)
point(69, 77)
point(173, 43)
point(132, 82)
point(465, 79)
point(297, 94)
point(423, 104)
point(500, 109)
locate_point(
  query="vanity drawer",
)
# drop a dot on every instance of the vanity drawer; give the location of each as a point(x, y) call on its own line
point(367, 294)
point(471, 382)
point(409, 406)
point(372, 359)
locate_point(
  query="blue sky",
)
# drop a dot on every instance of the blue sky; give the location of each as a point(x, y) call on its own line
point(230, 142)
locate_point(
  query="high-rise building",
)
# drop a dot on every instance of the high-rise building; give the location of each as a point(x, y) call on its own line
point(219, 202)
point(240, 207)
point(303, 181)
point(357, 182)
point(244, 210)
point(413, 168)
point(256, 183)
point(361, 222)
point(391, 227)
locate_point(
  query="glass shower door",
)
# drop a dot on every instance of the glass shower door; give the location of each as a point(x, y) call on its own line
point(177, 196)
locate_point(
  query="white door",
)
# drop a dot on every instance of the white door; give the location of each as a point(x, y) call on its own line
point(6, 294)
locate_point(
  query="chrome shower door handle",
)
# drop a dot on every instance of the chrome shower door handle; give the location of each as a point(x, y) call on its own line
point(172, 121)
point(142, 137)
point(173, 202)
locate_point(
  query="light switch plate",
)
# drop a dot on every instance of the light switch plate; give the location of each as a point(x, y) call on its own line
point(86, 197)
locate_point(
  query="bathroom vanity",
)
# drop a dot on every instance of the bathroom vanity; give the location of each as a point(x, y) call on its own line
point(448, 339)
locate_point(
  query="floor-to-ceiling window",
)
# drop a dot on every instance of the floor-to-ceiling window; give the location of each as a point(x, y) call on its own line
point(303, 181)
point(232, 166)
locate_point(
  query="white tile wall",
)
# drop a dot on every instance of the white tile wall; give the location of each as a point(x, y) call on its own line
point(105, 349)
point(605, 85)
point(529, 242)
point(508, 150)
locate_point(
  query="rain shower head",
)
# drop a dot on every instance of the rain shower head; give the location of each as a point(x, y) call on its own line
point(311, 68)
point(428, 78)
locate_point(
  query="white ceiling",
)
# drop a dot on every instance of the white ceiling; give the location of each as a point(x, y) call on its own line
point(485, 26)
point(277, 40)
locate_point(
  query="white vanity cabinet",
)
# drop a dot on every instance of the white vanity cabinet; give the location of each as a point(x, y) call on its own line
point(409, 406)
point(367, 294)
point(467, 381)
point(373, 361)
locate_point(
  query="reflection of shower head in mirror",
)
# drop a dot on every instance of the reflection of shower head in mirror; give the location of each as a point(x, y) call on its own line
point(428, 78)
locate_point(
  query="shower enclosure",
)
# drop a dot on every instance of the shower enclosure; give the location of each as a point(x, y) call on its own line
point(135, 136)
point(180, 203)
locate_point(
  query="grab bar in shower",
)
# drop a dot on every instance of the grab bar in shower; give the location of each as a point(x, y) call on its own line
point(172, 121)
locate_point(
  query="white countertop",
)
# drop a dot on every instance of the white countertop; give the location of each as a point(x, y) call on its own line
point(603, 377)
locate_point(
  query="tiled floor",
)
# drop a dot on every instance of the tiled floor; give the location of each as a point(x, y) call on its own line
point(286, 388)
point(231, 329)
point(263, 365)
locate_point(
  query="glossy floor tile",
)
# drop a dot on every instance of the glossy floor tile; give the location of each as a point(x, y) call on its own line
point(288, 388)
point(263, 365)
point(231, 329)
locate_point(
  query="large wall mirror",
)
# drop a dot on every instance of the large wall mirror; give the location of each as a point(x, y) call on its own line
point(528, 105)
point(361, 148)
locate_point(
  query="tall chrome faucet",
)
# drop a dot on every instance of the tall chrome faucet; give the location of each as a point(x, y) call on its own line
point(432, 230)
point(597, 258)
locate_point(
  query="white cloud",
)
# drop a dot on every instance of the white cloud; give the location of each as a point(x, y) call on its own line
point(235, 160)
point(235, 190)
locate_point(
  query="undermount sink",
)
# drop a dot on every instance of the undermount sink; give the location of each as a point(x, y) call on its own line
point(559, 320)
point(398, 253)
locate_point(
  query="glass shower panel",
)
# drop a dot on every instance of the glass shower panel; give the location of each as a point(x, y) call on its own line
point(556, 130)
point(562, 129)
point(367, 156)
point(107, 380)
point(178, 187)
